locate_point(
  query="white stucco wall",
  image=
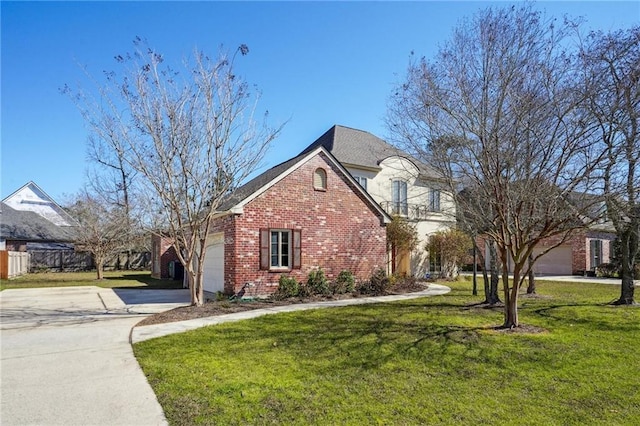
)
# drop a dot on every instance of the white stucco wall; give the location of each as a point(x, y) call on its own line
point(379, 185)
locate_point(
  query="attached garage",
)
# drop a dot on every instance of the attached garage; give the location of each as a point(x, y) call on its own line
point(556, 262)
point(214, 263)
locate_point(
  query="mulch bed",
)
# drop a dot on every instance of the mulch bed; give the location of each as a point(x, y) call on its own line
point(214, 308)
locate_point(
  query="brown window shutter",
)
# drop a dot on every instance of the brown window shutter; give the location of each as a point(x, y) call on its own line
point(264, 249)
point(297, 248)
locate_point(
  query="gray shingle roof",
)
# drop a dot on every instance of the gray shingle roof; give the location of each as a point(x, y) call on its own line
point(29, 226)
point(360, 148)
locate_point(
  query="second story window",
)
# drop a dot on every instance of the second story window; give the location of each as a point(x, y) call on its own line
point(362, 181)
point(434, 200)
point(320, 179)
point(399, 197)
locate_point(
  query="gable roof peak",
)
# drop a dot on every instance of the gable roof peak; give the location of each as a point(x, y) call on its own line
point(361, 148)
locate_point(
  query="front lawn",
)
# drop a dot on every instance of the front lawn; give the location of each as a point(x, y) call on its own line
point(424, 361)
point(113, 279)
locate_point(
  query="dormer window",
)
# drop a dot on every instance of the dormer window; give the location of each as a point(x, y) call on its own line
point(320, 179)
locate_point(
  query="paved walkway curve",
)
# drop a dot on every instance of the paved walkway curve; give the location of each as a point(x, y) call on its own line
point(146, 332)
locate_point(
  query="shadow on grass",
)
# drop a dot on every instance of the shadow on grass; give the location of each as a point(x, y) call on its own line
point(606, 318)
point(148, 281)
point(364, 337)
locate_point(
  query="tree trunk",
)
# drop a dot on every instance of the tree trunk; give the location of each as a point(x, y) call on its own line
point(196, 276)
point(511, 304)
point(531, 288)
point(510, 293)
point(627, 287)
point(475, 269)
point(487, 291)
point(99, 267)
point(495, 276)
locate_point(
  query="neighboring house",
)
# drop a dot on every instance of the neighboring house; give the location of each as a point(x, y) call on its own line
point(31, 221)
point(20, 230)
point(303, 214)
point(31, 198)
point(586, 249)
point(164, 260)
point(580, 254)
point(400, 183)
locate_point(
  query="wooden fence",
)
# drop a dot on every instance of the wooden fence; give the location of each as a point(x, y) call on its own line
point(14, 263)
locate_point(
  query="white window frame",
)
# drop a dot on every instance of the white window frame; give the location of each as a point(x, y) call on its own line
point(399, 196)
point(279, 263)
point(434, 200)
point(362, 181)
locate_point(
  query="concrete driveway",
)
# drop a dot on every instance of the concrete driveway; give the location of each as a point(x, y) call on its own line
point(66, 357)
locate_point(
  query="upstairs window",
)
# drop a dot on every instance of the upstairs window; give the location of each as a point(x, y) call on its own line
point(399, 197)
point(362, 181)
point(434, 200)
point(320, 179)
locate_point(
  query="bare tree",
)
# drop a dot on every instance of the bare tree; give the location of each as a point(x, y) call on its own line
point(498, 110)
point(612, 88)
point(451, 247)
point(100, 229)
point(469, 204)
point(189, 134)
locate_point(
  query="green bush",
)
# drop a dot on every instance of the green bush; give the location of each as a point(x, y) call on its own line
point(317, 283)
point(377, 285)
point(287, 287)
point(344, 283)
point(608, 270)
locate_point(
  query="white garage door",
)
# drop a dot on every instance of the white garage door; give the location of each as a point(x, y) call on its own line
point(214, 263)
point(556, 262)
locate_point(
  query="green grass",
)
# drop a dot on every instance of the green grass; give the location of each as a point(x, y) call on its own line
point(113, 279)
point(425, 361)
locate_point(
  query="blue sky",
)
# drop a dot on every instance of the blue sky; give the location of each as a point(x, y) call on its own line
point(316, 63)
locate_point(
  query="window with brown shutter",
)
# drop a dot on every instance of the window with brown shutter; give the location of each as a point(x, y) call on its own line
point(297, 249)
point(280, 249)
point(264, 249)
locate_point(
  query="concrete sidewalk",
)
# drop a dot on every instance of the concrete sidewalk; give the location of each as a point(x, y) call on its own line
point(141, 333)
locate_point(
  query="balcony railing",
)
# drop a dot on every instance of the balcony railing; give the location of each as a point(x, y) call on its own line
point(410, 211)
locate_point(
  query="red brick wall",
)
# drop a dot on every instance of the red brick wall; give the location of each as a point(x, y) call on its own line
point(580, 247)
point(338, 228)
point(162, 252)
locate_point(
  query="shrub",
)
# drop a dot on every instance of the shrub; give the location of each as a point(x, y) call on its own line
point(344, 283)
point(287, 287)
point(377, 285)
point(317, 283)
point(607, 270)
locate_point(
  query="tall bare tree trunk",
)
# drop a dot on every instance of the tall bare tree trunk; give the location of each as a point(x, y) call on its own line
point(531, 287)
point(627, 285)
point(99, 260)
point(495, 274)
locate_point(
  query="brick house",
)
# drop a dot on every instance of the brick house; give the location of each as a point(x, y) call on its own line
point(581, 254)
point(303, 214)
point(164, 260)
